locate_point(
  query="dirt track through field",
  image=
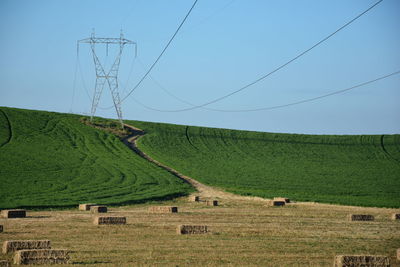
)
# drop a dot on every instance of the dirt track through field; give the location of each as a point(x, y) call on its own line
point(204, 191)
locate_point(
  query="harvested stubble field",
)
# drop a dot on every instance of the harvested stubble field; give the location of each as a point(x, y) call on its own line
point(243, 233)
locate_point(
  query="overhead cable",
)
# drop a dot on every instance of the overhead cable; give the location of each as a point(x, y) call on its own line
point(288, 104)
point(162, 52)
point(158, 84)
point(278, 68)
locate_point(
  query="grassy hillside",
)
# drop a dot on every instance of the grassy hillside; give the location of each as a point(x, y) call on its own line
point(53, 160)
point(350, 170)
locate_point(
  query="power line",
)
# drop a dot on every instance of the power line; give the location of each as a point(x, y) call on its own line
point(153, 79)
point(162, 52)
point(158, 84)
point(314, 98)
point(288, 104)
point(278, 68)
point(163, 88)
point(129, 75)
point(209, 16)
point(83, 78)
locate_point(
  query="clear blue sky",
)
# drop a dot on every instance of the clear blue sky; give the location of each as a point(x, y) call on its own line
point(224, 45)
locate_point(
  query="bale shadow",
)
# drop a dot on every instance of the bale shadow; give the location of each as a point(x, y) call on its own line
point(89, 262)
point(15, 233)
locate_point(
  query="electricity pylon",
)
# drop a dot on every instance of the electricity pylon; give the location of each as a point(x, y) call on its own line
point(109, 78)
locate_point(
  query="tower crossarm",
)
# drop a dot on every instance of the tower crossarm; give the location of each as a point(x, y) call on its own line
point(99, 40)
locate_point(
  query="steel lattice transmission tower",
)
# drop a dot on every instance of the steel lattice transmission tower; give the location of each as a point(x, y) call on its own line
point(109, 78)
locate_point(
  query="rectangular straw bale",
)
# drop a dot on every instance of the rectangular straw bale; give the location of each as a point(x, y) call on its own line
point(398, 253)
point(277, 203)
point(212, 202)
point(86, 206)
point(14, 245)
point(192, 229)
point(285, 199)
point(194, 198)
point(4, 263)
point(109, 220)
point(163, 209)
point(396, 216)
point(98, 209)
point(1, 228)
point(361, 260)
point(361, 217)
point(42, 256)
point(13, 213)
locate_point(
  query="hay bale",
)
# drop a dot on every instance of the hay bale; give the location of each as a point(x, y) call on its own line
point(361, 260)
point(286, 200)
point(42, 256)
point(14, 245)
point(398, 253)
point(277, 203)
point(396, 216)
point(4, 263)
point(1, 228)
point(86, 206)
point(192, 229)
point(98, 209)
point(361, 217)
point(18, 213)
point(163, 209)
point(194, 198)
point(109, 220)
point(212, 202)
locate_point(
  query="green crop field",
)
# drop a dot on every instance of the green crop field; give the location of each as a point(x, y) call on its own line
point(350, 170)
point(53, 160)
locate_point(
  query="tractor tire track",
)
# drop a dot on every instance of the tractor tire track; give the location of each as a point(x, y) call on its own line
point(9, 129)
point(385, 151)
point(188, 138)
